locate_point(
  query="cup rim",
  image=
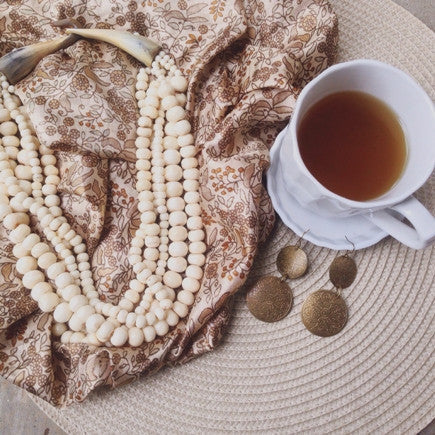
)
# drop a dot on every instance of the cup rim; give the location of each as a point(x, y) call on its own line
point(379, 201)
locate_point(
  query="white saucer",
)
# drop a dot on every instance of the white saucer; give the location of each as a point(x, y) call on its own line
point(328, 232)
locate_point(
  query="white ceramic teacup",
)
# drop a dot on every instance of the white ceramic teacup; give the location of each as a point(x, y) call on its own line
point(416, 115)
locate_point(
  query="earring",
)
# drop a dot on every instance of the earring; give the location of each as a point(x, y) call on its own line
point(270, 299)
point(324, 312)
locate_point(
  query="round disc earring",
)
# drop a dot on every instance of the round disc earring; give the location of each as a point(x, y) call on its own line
point(324, 312)
point(270, 299)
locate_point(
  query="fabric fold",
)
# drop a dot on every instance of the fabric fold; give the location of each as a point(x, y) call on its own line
point(246, 63)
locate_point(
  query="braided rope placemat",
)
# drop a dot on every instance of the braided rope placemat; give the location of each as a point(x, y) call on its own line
point(376, 376)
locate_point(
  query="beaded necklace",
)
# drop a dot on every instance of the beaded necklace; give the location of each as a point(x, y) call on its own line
point(167, 250)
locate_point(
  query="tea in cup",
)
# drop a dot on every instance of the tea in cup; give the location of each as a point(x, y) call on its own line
point(361, 141)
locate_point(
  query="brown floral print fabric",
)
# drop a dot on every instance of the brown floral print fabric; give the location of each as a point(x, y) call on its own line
point(246, 62)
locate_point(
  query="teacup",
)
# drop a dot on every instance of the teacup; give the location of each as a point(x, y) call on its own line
point(415, 112)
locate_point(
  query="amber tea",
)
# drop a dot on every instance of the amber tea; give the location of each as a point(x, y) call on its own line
point(353, 144)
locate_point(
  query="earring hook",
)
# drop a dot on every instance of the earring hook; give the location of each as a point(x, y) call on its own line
point(353, 245)
point(298, 242)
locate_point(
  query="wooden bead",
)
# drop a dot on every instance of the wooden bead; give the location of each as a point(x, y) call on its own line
point(170, 143)
point(196, 235)
point(188, 151)
point(180, 309)
point(178, 249)
point(30, 241)
point(84, 312)
point(185, 297)
point(149, 333)
point(168, 102)
point(194, 223)
point(152, 101)
point(191, 174)
point(152, 241)
point(178, 217)
point(185, 140)
point(179, 83)
point(8, 128)
point(5, 211)
point(130, 320)
point(52, 200)
point(173, 173)
point(76, 240)
point(172, 318)
point(114, 310)
point(119, 336)
point(175, 113)
point(151, 318)
point(165, 304)
point(69, 292)
point(161, 327)
point(193, 271)
point(48, 302)
point(190, 284)
point(39, 289)
point(46, 259)
point(165, 89)
point(4, 115)
point(171, 157)
point(150, 111)
point(18, 234)
point(182, 127)
point(94, 322)
point(189, 163)
point(177, 233)
point(64, 280)
point(58, 329)
point(132, 296)
point(23, 172)
point(193, 210)
point(46, 220)
point(192, 197)
point(197, 247)
point(31, 278)
point(177, 264)
point(66, 337)
point(26, 264)
point(75, 322)
point(55, 269)
point(77, 301)
point(126, 304)
point(40, 249)
point(174, 189)
point(93, 340)
point(105, 331)
point(196, 259)
point(135, 337)
point(175, 204)
point(158, 311)
point(77, 338)
point(17, 202)
point(62, 312)
point(191, 185)
point(172, 279)
point(137, 286)
point(141, 321)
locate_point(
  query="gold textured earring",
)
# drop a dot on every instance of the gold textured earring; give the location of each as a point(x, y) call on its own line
point(270, 299)
point(324, 312)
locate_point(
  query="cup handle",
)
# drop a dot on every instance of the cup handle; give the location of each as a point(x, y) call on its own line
point(423, 222)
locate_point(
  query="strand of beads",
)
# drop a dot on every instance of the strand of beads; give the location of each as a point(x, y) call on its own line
point(167, 258)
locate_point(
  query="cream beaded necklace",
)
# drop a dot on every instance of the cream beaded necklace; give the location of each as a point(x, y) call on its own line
point(167, 251)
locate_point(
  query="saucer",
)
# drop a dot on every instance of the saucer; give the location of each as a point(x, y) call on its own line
point(329, 232)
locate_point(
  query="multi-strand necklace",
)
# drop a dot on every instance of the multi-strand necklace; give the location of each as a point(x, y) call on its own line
point(167, 250)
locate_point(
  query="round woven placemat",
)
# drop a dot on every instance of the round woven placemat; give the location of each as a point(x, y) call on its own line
point(376, 376)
